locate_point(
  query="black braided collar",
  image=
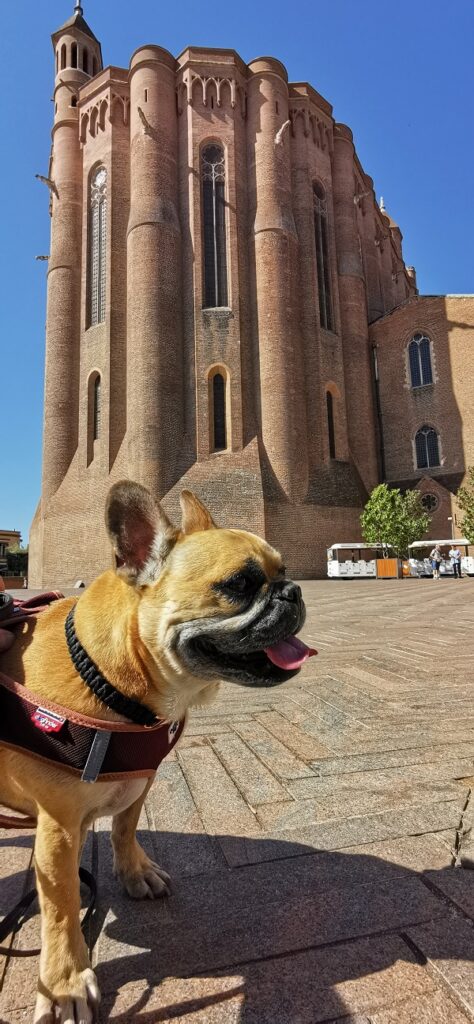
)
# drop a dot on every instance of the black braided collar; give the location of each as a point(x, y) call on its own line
point(103, 690)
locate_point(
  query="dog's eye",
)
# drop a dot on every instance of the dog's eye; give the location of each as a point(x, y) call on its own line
point(244, 584)
point(240, 584)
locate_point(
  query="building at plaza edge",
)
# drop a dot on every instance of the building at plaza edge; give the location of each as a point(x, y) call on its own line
point(229, 311)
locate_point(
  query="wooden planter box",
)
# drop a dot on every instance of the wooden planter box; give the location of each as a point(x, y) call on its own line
point(388, 568)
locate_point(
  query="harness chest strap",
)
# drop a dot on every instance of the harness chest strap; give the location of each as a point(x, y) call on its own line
point(86, 747)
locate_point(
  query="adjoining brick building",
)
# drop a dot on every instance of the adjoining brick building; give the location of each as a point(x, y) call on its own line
point(220, 275)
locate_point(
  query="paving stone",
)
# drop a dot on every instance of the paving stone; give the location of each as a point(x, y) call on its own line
point(180, 842)
point(448, 946)
point(395, 780)
point(416, 853)
point(458, 886)
point(221, 807)
point(339, 834)
point(214, 1000)
point(311, 987)
point(253, 779)
point(273, 753)
point(435, 1008)
point(305, 747)
point(389, 759)
point(16, 850)
point(350, 741)
point(211, 939)
point(348, 801)
point(21, 975)
point(201, 729)
point(320, 710)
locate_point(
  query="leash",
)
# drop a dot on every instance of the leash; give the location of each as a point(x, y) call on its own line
point(17, 916)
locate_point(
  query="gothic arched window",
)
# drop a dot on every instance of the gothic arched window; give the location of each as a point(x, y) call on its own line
point(427, 448)
point(321, 235)
point(214, 227)
point(419, 353)
point(219, 413)
point(97, 246)
point(331, 431)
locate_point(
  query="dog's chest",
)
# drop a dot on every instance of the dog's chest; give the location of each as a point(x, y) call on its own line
point(113, 797)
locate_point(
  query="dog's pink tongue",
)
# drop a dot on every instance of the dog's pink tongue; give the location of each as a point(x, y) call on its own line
point(289, 653)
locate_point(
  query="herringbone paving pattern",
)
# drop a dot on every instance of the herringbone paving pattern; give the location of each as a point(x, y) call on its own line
point(316, 835)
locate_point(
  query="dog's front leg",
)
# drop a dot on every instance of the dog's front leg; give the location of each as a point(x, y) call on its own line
point(67, 989)
point(140, 876)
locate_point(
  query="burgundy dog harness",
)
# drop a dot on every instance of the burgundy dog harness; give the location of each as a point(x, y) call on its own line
point(86, 747)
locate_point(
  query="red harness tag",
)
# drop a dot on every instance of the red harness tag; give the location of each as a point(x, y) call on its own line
point(47, 721)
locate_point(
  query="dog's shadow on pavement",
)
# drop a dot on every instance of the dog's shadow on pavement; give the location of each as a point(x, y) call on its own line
point(279, 939)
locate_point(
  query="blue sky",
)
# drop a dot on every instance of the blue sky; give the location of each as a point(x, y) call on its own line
point(399, 74)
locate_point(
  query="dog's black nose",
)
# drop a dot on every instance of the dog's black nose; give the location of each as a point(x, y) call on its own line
point(289, 591)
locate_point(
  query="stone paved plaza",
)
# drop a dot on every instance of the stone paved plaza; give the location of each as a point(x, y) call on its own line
point(317, 835)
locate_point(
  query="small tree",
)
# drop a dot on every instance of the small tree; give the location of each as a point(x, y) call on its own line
point(395, 519)
point(17, 560)
point(465, 498)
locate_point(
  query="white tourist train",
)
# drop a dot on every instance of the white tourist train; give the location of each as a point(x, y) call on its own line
point(420, 562)
point(365, 561)
point(354, 561)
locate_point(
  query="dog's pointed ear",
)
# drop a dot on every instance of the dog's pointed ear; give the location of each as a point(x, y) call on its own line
point(141, 534)
point(195, 515)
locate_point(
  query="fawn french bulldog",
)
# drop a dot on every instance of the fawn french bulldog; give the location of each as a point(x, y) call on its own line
point(185, 609)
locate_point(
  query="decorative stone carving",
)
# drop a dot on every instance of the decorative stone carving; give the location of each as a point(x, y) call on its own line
point(209, 84)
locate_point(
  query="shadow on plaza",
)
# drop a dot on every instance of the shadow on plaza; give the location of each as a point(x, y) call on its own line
point(278, 929)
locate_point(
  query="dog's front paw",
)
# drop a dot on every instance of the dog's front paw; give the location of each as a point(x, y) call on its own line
point(74, 1002)
point(141, 877)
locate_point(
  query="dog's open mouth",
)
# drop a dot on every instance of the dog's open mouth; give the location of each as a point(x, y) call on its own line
point(269, 666)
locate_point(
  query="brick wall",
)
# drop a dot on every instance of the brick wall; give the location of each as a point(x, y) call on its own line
point(158, 345)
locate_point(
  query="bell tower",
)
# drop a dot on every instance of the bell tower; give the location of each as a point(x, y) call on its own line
point(76, 48)
point(77, 57)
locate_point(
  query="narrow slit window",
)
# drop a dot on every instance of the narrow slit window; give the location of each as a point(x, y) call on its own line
point(85, 61)
point(63, 56)
point(97, 409)
point(218, 397)
point(321, 236)
point(97, 247)
point(331, 432)
point(214, 227)
point(74, 55)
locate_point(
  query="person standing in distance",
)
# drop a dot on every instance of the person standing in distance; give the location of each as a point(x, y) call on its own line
point(455, 556)
point(436, 559)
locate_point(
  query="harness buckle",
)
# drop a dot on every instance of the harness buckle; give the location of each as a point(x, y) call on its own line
point(95, 758)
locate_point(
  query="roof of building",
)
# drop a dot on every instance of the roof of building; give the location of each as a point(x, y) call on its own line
point(77, 21)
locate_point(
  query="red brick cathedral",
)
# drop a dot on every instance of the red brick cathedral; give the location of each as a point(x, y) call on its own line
point(229, 311)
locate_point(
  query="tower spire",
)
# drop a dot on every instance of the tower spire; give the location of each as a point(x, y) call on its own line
point(78, 7)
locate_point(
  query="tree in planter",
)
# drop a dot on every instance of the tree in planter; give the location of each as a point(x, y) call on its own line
point(465, 497)
point(394, 519)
